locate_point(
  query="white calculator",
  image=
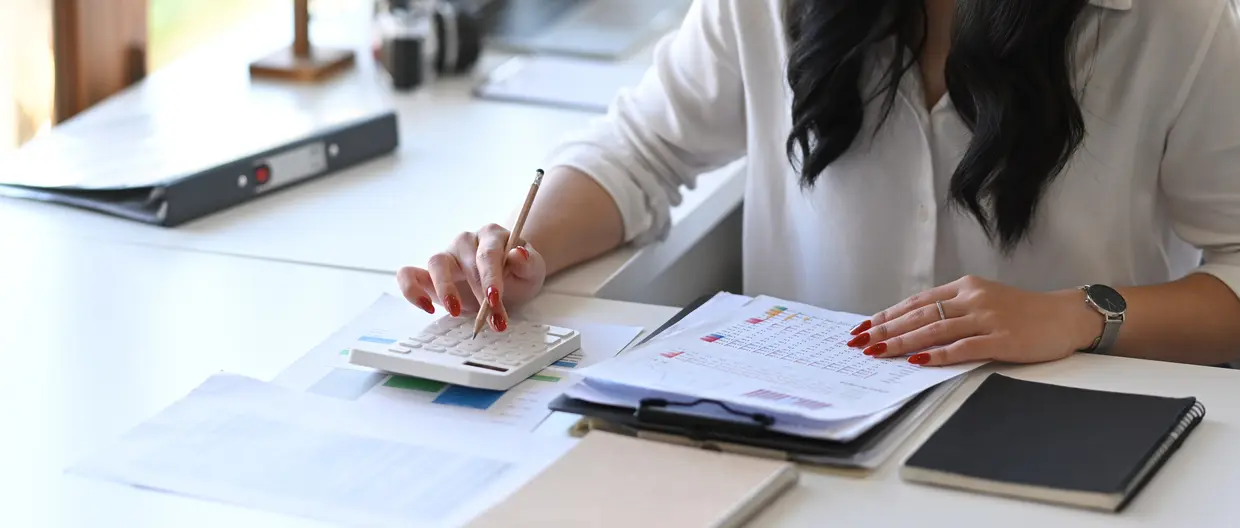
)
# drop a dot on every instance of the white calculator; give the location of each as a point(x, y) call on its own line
point(443, 351)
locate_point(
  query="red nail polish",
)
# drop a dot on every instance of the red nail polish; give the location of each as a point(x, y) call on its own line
point(865, 325)
point(525, 253)
point(425, 304)
point(919, 359)
point(860, 340)
point(876, 349)
point(498, 322)
point(454, 305)
point(493, 296)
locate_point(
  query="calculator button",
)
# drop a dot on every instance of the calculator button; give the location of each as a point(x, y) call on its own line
point(457, 333)
point(399, 350)
point(410, 344)
point(550, 340)
point(435, 330)
point(433, 348)
point(472, 346)
point(510, 361)
point(459, 352)
point(557, 331)
point(446, 342)
point(485, 357)
point(423, 338)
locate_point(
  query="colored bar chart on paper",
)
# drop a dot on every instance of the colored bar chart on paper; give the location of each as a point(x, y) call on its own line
point(569, 361)
point(469, 397)
point(415, 384)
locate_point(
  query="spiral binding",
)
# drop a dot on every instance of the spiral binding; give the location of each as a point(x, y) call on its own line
point(1196, 412)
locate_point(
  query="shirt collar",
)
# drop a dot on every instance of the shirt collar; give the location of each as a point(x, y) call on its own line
point(1119, 5)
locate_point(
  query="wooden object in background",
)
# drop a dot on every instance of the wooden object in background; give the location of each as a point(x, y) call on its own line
point(302, 61)
point(100, 49)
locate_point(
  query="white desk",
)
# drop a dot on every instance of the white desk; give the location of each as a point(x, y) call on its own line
point(98, 336)
point(461, 163)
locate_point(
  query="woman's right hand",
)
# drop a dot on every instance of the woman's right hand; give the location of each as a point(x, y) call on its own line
point(475, 269)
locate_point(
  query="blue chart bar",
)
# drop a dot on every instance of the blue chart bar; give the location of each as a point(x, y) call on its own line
point(373, 339)
point(347, 384)
point(469, 397)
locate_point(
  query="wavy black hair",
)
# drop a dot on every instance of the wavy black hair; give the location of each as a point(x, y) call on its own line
point(1009, 74)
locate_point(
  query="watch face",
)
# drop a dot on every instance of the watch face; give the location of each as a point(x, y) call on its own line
point(1107, 298)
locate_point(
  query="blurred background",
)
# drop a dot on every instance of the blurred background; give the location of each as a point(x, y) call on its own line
point(59, 57)
point(156, 31)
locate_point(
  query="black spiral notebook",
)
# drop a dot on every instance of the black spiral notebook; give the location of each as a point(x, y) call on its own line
point(1050, 443)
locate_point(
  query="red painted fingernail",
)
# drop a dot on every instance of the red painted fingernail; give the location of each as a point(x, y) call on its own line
point(919, 359)
point(860, 340)
point(874, 350)
point(865, 325)
point(454, 305)
point(525, 253)
point(498, 322)
point(493, 296)
point(425, 304)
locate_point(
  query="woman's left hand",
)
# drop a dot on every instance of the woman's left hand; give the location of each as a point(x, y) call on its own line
point(981, 320)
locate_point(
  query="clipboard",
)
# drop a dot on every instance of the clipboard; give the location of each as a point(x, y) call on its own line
point(749, 433)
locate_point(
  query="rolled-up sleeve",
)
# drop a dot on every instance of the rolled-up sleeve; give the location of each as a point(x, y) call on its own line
point(1201, 165)
point(686, 117)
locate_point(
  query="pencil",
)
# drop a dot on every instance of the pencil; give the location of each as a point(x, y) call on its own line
point(484, 310)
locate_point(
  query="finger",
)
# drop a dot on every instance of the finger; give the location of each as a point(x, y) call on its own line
point(465, 249)
point(491, 252)
point(445, 273)
point(935, 334)
point(917, 318)
point(977, 348)
point(938, 293)
point(523, 263)
point(415, 285)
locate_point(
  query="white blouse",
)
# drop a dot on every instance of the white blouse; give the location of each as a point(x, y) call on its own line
point(1153, 192)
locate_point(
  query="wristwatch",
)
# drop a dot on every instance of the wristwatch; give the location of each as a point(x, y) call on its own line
point(1112, 306)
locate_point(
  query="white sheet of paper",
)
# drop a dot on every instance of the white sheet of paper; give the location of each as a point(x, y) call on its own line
point(245, 442)
point(325, 370)
point(775, 356)
point(719, 306)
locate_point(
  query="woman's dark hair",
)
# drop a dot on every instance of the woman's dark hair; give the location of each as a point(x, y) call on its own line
point(1009, 75)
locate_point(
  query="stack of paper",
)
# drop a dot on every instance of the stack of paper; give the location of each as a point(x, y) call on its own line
point(785, 360)
point(245, 442)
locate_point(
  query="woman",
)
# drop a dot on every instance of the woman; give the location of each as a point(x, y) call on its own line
point(957, 168)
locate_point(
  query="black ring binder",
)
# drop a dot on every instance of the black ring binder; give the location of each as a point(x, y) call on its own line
point(655, 411)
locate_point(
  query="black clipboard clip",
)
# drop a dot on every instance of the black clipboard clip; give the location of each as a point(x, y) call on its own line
point(656, 411)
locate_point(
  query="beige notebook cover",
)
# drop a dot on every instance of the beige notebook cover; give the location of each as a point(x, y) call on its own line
point(614, 480)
